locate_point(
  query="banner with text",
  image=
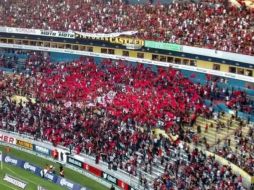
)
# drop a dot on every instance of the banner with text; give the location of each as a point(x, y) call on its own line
point(106, 35)
point(7, 138)
point(13, 161)
point(163, 46)
point(24, 144)
point(41, 150)
point(42, 173)
point(15, 181)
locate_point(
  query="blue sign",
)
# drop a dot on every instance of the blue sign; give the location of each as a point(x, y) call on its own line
point(13, 161)
point(41, 150)
point(67, 184)
point(43, 173)
point(50, 177)
point(30, 167)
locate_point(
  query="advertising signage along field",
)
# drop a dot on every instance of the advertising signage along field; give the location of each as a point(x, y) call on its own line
point(42, 173)
point(42, 150)
point(15, 181)
point(40, 188)
point(95, 171)
point(50, 177)
point(74, 162)
point(24, 144)
point(7, 139)
point(13, 161)
point(30, 167)
point(109, 178)
point(69, 184)
point(99, 173)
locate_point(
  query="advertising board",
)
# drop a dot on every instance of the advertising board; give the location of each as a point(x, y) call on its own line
point(15, 181)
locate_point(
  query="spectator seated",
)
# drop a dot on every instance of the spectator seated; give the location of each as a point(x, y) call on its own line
point(206, 23)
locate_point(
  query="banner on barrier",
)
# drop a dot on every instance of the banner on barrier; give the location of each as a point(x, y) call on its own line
point(109, 178)
point(13, 161)
point(30, 167)
point(74, 162)
point(163, 46)
point(15, 181)
point(40, 188)
point(105, 35)
point(97, 172)
point(123, 185)
point(42, 150)
point(7, 139)
point(21, 30)
point(62, 34)
point(50, 177)
point(24, 144)
point(57, 34)
point(120, 38)
point(69, 184)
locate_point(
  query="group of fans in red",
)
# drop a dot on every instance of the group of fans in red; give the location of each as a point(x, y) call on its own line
point(212, 24)
point(109, 109)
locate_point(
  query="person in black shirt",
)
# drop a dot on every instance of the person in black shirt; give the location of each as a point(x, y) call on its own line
point(112, 188)
point(61, 171)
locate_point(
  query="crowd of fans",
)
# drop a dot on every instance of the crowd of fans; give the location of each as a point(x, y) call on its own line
point(240, 102)
point(8, 62)
point(239, 150)
point(207, 23)
point(108, 110)
point(139, 97)
point(200, 172)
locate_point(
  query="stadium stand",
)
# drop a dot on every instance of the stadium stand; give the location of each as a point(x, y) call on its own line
point(114, 116)
point(217, 24)
point(155, 124)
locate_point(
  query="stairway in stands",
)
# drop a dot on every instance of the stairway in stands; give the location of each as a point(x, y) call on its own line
point(158, 169)
point(234, 140)
point(212, 135)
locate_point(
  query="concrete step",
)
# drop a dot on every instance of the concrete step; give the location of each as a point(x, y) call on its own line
point(212, 135)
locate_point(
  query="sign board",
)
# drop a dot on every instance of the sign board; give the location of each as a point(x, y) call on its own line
point(42, 150)
point(164, 46)
point(24, 144)
point(74, 162)
point(15, 181)
point(40, 188)
point(7, 138)
point(109, 178)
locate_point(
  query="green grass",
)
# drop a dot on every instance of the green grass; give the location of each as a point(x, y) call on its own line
point(26, 176)
point(69, 174)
